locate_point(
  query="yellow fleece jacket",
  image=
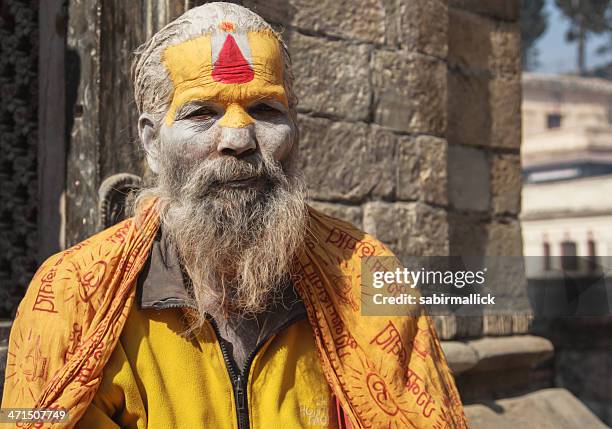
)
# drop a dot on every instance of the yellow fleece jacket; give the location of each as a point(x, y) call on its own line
point(159, 379)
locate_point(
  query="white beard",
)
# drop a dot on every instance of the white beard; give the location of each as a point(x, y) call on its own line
point(237, 243)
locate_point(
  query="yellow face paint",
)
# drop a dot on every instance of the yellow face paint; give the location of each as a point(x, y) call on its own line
point(227, 68)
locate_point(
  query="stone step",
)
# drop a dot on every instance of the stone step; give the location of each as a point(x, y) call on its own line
point(545, 409)
point(497, 353)
point(498, 367)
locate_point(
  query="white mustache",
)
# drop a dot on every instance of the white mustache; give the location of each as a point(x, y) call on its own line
point(206, 177)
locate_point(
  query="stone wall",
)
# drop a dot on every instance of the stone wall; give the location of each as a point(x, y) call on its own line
point(371, 84)
point(410, 123)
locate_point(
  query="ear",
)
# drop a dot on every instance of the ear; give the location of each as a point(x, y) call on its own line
point(148, 131)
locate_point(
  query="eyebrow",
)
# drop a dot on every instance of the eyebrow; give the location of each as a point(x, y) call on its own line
point(271, 101)
point(192, 106)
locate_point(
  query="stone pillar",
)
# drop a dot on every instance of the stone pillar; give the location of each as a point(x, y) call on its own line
point(484, 136)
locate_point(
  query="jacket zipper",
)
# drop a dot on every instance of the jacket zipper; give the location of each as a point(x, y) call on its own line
point(240, 379)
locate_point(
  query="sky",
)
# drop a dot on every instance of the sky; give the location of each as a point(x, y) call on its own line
point(558, 56)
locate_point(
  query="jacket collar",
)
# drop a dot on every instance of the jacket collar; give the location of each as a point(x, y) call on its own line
point(161, 283)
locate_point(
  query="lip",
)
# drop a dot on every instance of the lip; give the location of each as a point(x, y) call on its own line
point(241, 182)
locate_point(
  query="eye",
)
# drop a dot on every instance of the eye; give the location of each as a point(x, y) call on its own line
point(264, 110)
point(203, 113)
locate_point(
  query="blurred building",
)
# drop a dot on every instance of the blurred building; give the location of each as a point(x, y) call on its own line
point(567, 170)
point(567, 223)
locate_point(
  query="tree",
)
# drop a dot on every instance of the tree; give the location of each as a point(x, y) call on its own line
point(586, 17)
point(603, 71)
point(534, 21)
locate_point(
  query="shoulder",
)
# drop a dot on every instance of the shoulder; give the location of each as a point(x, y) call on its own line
point(87, 249)
point(74, 274)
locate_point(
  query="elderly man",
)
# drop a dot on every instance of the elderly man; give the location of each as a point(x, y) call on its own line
point(225, 302)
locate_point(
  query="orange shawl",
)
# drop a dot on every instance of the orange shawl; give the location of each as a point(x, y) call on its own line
point(385, 371)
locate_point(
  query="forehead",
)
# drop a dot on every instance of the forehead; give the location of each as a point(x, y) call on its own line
point(226, 66)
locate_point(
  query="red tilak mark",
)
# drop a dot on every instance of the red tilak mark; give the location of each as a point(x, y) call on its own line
point(231, 66)
point(227, 26)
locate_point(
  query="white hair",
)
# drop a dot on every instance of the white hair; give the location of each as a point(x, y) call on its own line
point(153, 88)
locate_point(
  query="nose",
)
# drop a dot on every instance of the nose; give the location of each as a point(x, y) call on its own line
point(237, 141)
point(235, 117)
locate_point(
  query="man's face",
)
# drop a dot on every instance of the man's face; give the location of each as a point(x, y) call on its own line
point(233, 206)
point(229, 100)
